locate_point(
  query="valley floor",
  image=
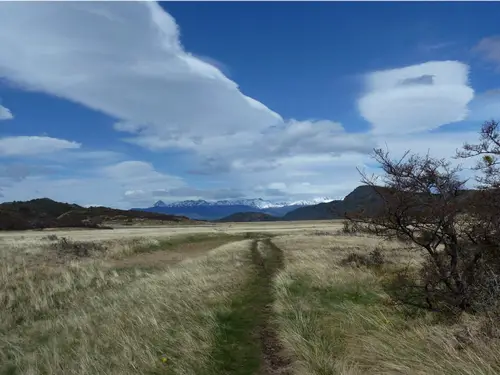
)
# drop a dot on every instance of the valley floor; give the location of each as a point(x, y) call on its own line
point(176, 229)
point(259, 298)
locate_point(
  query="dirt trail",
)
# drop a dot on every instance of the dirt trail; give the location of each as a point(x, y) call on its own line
point(269, 259)
point(165, 258)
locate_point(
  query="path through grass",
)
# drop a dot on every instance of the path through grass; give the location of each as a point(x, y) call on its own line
point(246, 342)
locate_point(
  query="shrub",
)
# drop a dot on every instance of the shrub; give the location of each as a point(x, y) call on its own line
point(348, 227)
point(50, 237)
point(80, 249)
point(374, 259)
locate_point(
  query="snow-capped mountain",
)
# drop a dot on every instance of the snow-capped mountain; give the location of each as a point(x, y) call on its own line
point(210, 210)
point(160, 204)
point(256, 202)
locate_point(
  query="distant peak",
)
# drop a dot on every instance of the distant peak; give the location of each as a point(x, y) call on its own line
point(160, 203)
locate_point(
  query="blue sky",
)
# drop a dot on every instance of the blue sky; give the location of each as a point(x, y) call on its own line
point(122, 104)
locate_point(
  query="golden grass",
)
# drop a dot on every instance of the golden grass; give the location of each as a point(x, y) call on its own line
point(85, 318)
point(335, 319)
point(174, 230)
point(113, 312)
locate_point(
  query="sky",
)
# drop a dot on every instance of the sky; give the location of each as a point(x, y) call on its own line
point(126, 103)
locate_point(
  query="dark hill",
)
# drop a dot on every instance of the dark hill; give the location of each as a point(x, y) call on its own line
point(248, 217)
point(321, 211)
point(363, 198)
point(46, 213)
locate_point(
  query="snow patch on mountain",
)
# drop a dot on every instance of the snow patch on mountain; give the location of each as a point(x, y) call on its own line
point(256, 203)
point(160, 204)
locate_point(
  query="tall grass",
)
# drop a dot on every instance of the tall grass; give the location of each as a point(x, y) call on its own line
point(337, 319)
point(84, 318)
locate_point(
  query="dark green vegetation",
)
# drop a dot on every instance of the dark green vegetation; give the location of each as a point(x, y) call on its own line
point(46, 213)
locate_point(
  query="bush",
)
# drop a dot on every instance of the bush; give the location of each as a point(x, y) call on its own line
point(80, 249)
point(50, 237)
point(322, 233)
point(404, 288)
point(375, 259)
point(348, 227)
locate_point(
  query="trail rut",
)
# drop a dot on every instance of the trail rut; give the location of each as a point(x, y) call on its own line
point(269, 260)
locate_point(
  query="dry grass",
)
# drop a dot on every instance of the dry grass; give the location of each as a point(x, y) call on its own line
point(85, 317)
point(174, 230)
point(338, 319)
point(114, 310)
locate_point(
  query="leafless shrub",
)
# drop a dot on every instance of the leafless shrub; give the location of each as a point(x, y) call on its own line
point(425, 203)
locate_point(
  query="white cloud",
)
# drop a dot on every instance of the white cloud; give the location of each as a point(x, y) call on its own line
point(416, 98)
point(126, 60)
point(123, 59)
point(117, 185)
point(33, 145)
point(314, 137)
point(137, 175)
point(5, 113)
point(244, 151)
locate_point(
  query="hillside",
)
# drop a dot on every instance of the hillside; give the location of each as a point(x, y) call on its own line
point(248, 217)
point(322, 211)
point(46, 213)
point(362, 198)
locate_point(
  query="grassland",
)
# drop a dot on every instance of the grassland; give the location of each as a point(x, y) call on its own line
point(260, 298)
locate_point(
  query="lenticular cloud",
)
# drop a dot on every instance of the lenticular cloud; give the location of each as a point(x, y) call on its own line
point(126, 60)
point(416, 98)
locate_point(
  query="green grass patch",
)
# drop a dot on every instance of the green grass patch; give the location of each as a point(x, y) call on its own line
point(173, 242)
point(259, 235)
point(237, 349)
point(302, 288)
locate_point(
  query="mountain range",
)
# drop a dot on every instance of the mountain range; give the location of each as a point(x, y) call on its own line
point(363, 197)
point(215, 210)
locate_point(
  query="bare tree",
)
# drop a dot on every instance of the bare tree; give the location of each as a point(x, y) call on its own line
point(424, 202)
